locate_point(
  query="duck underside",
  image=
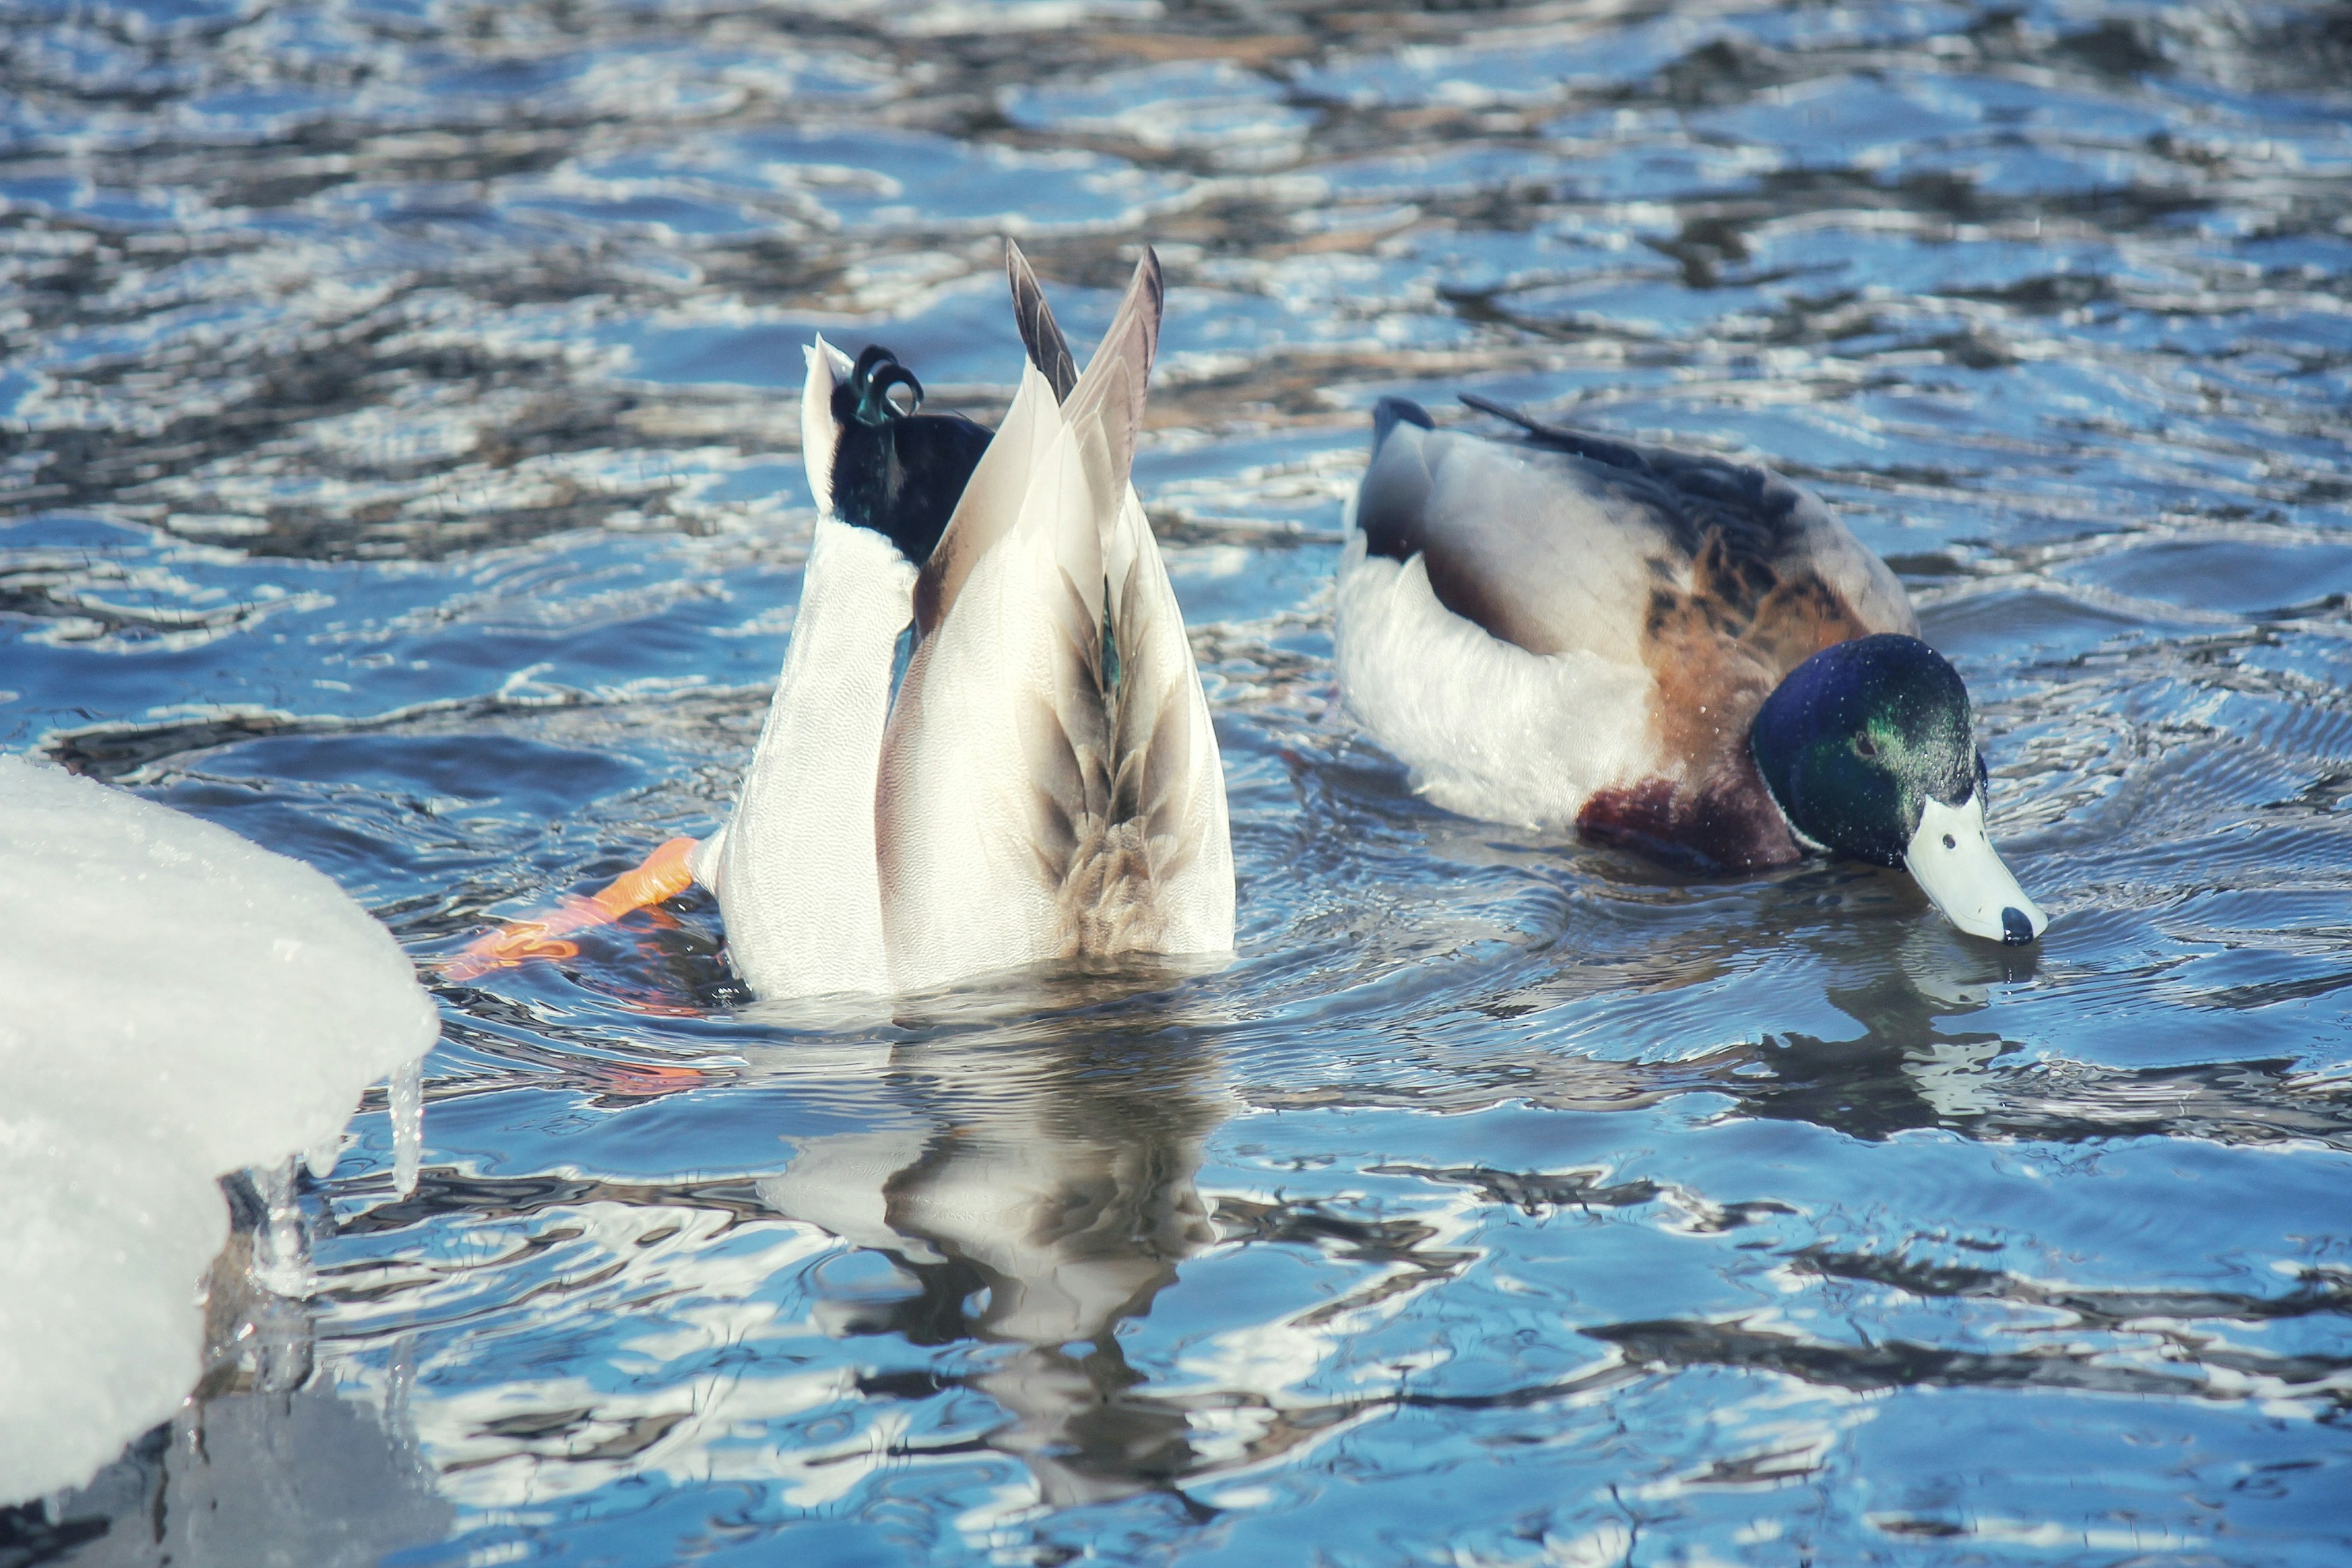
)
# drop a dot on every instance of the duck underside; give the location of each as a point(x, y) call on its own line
point(1051, 788)
point(1109, 754)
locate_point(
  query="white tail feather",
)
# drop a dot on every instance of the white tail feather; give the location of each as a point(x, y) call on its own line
point(819, 435)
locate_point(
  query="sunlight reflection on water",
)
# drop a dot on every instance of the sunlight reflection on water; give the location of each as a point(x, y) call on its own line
point(400, 468)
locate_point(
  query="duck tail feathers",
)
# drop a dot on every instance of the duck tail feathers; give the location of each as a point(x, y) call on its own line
point(1048, 350)
point(820, 438)
point(1391, 412)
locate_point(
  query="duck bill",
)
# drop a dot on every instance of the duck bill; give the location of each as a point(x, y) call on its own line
point(1953, 860)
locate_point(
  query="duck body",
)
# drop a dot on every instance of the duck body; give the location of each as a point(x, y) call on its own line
point(1568, 630)
point(1044, 781)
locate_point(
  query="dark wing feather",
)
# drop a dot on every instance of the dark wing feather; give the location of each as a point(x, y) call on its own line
point(1581, 442)
point(1559, 541)
point(1048, 350)
point(1752, 510)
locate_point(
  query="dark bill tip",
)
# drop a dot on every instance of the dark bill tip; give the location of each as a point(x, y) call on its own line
point(2016, 931)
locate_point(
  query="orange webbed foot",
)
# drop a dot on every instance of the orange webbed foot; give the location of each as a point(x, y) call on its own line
point(664, 874)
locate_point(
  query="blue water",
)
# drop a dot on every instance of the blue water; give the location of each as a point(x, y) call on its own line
point(397, 451)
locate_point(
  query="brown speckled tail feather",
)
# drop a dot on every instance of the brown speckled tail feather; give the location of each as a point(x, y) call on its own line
point(1110, 751)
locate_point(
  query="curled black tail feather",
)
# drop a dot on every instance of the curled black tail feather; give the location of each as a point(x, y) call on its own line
point(867, 390)
point(1391, 412)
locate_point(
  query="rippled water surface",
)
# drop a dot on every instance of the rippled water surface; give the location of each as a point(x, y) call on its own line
point(398, 451)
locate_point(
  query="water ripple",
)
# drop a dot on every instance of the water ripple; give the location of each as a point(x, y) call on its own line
point(398, 465)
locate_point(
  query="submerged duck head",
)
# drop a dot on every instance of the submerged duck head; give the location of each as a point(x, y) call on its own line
point(894, 468)
point(1867, 749)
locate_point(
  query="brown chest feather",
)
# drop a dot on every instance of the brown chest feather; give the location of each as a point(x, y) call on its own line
point(1728, 820)
point(1717, 649)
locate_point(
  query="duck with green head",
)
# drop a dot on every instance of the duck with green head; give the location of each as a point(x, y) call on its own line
point(1660, 648)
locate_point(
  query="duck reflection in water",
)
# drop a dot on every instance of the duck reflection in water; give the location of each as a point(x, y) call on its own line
point(1038, 1197)
point(1915, 1062)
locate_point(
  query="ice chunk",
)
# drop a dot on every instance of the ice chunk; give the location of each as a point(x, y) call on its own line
point(307, 1479)
point(176, 1003)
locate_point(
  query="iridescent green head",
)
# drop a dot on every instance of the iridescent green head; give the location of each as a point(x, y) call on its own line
point(1867, 748)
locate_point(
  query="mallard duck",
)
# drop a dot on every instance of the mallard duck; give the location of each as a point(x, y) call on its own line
point(1041, 781)
point(1661, 649)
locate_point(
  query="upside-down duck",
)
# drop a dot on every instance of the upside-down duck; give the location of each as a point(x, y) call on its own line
point(1039, 779)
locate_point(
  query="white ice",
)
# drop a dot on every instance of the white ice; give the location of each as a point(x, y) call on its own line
point(176, 1003)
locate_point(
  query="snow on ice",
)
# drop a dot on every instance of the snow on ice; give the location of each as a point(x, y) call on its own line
point(175, 1004)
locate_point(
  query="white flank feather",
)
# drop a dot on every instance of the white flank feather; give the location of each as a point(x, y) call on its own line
point(795, 867)
point(796, 873)
point(1487, 729)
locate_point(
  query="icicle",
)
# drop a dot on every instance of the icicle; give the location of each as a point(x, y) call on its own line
point(406, 1096)
point(323, 1155)
point(279, 1261)
point(281, 1345)
point(399, 1384)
